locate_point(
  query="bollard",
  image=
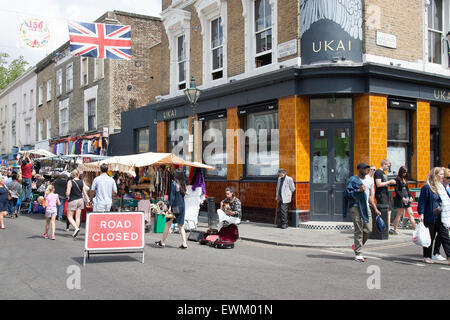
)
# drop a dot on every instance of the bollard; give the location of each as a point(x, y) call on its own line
point(213, 218)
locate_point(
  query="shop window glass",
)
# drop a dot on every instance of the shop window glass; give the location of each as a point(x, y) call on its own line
point(399, 137)
point(178, 137)
point(331, 109)
point(262, 144)
point(143, 140)
point(215, 146)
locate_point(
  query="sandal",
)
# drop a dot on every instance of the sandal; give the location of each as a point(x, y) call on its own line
point(160, 244)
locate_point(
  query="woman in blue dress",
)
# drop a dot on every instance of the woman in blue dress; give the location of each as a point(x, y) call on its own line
point(177, 207)
point(3, 202)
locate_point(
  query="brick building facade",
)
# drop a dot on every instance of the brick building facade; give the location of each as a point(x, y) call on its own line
point(362, 83)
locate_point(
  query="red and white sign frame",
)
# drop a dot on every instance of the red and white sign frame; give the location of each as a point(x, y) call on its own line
point(106, 227)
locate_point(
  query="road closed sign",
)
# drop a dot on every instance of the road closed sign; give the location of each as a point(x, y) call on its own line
point(115, 231)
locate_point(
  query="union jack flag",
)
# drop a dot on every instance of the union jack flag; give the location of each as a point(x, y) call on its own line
point(98, 40)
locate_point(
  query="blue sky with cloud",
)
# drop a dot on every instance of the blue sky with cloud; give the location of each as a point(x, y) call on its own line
point(56, 13)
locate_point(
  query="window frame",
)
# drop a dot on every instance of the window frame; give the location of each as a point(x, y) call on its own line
point(408, 143)
point(91, 112)
point(69, 80)
point(137, 140)
point(212, 48)
point(243, 114)
point(84, 71)
point(49, 90)
point(184, 61)
point(63, 106)
point(41, 95)
point(59, 82)
point(431, 30)
point(212, 117)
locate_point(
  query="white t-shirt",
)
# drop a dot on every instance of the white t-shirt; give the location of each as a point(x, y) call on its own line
point(369, 183)
point(104, 186)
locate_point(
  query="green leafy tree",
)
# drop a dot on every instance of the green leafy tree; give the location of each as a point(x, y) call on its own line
point(12, 70)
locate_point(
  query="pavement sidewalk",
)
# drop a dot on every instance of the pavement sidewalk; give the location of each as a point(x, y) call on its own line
point(299, 237)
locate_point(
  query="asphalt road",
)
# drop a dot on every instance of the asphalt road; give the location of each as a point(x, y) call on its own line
point(34, 268)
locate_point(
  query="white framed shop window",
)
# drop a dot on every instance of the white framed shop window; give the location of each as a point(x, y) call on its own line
point(177, 23)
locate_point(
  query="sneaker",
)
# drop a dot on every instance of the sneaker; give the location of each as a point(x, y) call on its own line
point(359, 259)
point(75, 233)
point(52, 237)
point(45, 236)
point(438, 257)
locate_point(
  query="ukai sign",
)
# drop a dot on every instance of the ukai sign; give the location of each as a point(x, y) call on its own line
point(331, 30)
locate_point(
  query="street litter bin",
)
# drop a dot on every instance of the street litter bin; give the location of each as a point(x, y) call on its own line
point(160, 223)
point(213, 218)
point(376, 234)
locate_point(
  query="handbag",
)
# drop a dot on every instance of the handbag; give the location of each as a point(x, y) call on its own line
point(380, 224)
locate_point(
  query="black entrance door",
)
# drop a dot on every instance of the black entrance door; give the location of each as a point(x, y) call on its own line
point(331, 165)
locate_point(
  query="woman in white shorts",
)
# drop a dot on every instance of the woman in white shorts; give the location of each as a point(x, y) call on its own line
point(76, 192)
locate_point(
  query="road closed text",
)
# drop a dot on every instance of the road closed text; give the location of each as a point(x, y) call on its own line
point(115, 236)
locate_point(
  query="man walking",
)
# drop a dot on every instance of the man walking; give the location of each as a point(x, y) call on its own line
point(382, 192)
point(358, 193)
point(105, 188)
point(285, 188)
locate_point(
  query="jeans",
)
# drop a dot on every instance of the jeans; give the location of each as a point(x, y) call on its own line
point(26, 189)
point(61, 208)
point(12, 206)
point(362, 230)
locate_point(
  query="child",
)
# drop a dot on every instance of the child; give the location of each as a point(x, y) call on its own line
point(51, 210)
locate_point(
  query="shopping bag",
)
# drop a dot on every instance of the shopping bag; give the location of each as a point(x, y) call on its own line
point(380, 224)
point(421, 236)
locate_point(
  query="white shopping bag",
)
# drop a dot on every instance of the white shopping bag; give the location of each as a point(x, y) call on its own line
point(421, 236)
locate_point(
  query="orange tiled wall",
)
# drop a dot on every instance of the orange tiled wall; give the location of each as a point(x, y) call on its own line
point(293, 115)
point(370, 129)
point(420, 162)
point(445, 136)
point(234, 169)
point(161, 137)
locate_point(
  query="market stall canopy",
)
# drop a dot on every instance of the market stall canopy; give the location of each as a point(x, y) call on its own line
point(38, 152)
point(127, 164)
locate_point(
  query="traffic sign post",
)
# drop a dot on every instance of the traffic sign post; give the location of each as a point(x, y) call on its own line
point(114, 233)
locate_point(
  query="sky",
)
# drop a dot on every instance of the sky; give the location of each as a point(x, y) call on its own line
point(56, 13)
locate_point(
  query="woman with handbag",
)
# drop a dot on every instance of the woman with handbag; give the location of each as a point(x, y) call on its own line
point(177, 207)
point(430, 210)
point(403, 199)
point(76, 192)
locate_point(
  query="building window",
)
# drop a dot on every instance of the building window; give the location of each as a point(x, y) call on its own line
point(435, 31)
point(263, 32)
point(27, 133)
point(215, 145)
point(31, 99)
point(331, 108)
point(261, 144)
point(99, 66)
point(399, 139)
point(84, 71)
point(49, 128)
point(40, 130)
point(181, 59)
point(217, 48)
point(178, 137)
point(49, 90)
point(143, 140)
point(41, 95)
point(69, 78)
point(24, 106)
point(64, 117)
point(92, 113)
point(59, 82)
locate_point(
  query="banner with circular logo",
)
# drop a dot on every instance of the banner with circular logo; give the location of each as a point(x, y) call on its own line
point(35, 33)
